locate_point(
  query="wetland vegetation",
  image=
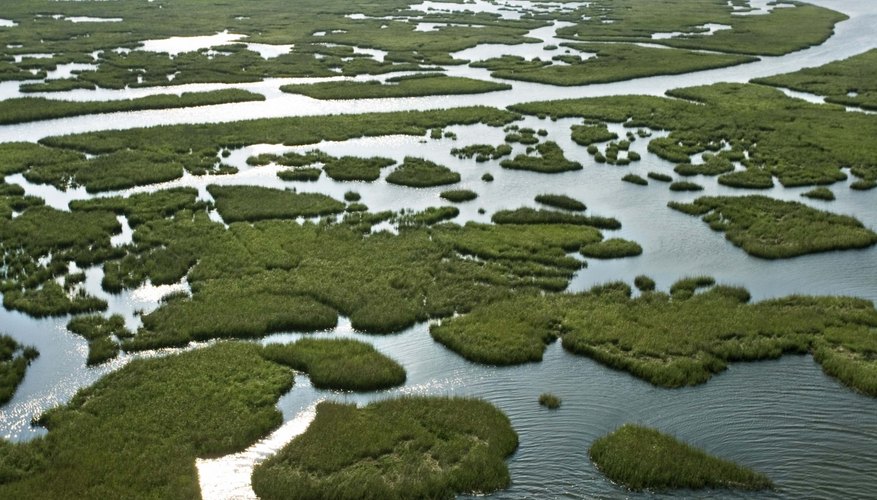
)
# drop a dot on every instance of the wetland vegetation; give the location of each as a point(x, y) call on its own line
point(676, 339)
point(14, 360)
point(641, 458)
point(775, 229)
point(412, 447)
point(403, 86)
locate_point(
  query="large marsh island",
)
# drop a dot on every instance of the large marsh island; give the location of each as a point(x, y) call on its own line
point(406, 249)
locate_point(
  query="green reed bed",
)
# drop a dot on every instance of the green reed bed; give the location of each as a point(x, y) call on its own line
point(418, 172)
point(774, 229)
point(549, 401)
point(673, 340)
point(551, 160)
point(613, 248)
point(100, 332)
point(526, 215)
point(14, 360)
point(137, 431)
point(251, 203)
point(641, 458)
point(417, 86)
point(635, 179)
point(561, 201)
point(339, 364)
point(459, 195)
point(27, 109)
point(413, 447)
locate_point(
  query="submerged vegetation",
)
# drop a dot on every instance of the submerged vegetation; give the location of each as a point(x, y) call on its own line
point(774, 229)
point(413, 447)
point(14, 360)
point(673, 340)
point(641, 458)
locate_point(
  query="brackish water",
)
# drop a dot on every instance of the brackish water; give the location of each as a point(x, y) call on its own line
point(812, 436)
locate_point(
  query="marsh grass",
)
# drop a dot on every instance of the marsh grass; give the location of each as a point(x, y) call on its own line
point(672, 340)
point(549, 401)
point(613, 248)
point(561, 201)
point(551, 160)
point(641, 458)
point(14, 360)
point(775, 229)
point(418, 172)
point(644, 283)
point(420, 85)
point(820, 193)
point(99, 333)
point(527, 215)
point(660, 177)
point(252, 203)
point(352, 168)
point(685, 186)
point(137, 431)
point(343, 364)
point(459, 195)
point(412, 447)
point(300, 174)
point(635, 179)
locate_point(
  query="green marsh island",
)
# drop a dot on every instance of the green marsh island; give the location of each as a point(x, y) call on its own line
point(404, 249)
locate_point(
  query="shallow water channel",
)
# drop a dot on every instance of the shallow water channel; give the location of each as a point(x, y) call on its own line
point(812, 436)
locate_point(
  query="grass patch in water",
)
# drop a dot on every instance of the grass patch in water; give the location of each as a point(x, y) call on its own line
point(774, 229)
point(527, 215)
point(659, 177)
point(820, 193)
point(343, 364)
point(99, 333)
point(635, 179)
point(27, 109)
point(418, 172)
point(549, 401)
point(459, 195)
point(644, 283)
point(561, 201)
point(412, 447)
point(641, 458)
point(300, 174)
point(252, 203)
point(418, 86)
point(352, 168)
point(685, 186)
point(614, 248)
point(585, 135)
point(14, 360)
point(673, 340)
point(136, 432)
point(551, 160)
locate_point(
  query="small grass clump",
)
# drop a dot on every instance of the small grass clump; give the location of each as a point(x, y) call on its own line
point(351, 196)
point(551, 160)
point(774, 229)
point(413, 447)
point(549, 401)
point(252, 203)
point(685, 186)
point(635, 179)
point(487, 177)
point(658, 176)
point(614, 248)
point(644, 283)
point(863, 185)
point(752, 178)
point(343, 364)
point(418, 172)
point(14, 360)
point(820, 193)
point(482, 152)
point(459, 195)
point(561, 201)
point(99, 333)
point(641, 458)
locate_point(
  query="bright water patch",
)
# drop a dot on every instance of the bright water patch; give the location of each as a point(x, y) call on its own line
point(704, 30)
point(7, 23)
point(179, 44)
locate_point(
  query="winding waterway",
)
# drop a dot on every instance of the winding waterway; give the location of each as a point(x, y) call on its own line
point(812, 436)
